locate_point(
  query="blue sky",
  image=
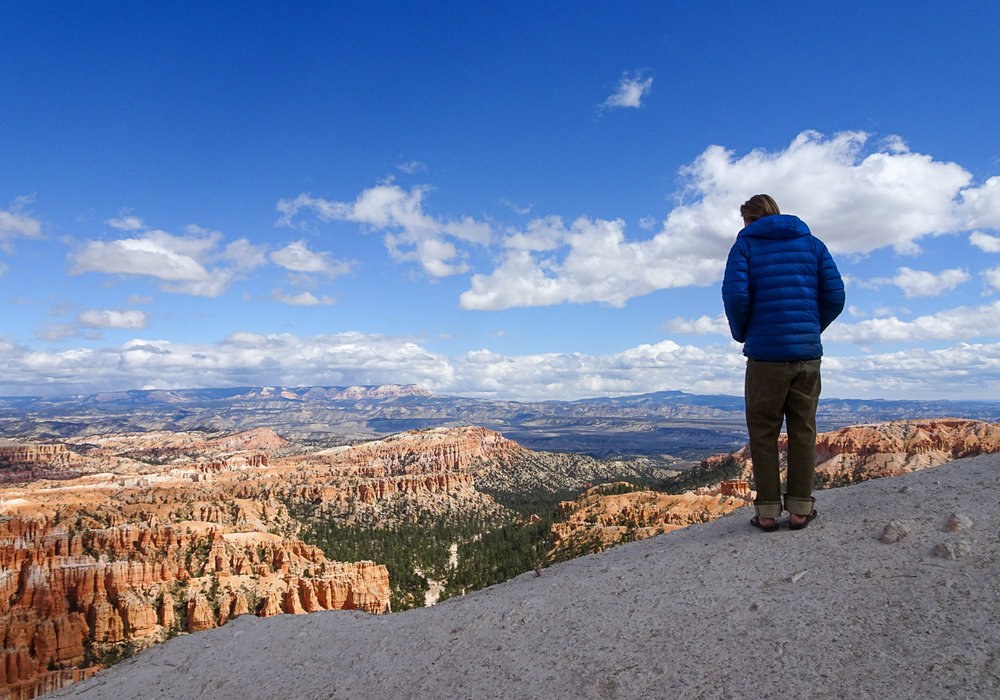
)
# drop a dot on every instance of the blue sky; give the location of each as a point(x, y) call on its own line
point(497, 200)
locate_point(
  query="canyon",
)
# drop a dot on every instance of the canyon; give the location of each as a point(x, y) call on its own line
point(687, 426)
point(112, 542)
point(598, 518)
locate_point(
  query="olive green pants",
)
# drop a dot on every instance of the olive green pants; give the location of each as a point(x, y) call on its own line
point(777, 392)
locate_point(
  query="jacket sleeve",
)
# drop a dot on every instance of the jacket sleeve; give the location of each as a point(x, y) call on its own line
point(736, 291)
point(831, 289)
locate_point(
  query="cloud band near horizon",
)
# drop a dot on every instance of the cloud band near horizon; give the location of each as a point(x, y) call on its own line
point(248, 359)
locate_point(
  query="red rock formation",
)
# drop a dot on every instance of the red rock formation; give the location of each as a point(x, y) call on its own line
point(27, 454)
point(59, 599)
point(171, 532)
point(598, 519)
point(21, 462)
point(199, 614)
point(863, 452)
point(845, 456)
point(256, 439)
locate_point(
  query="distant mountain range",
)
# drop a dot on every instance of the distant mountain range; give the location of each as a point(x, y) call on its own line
point(664, 422)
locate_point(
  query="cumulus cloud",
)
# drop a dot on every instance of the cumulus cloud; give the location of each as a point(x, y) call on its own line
point(301, 299)
point(597, 265)
point(126, 222)
point(110, 318)
point(985, 242)
point(354, 358)
point(951, 324)
point(181, 263)
point(992, 277)
point(409, 233)
point(15, 222)
point(856, 199)
point(962, 371)
point(961, 323)
point(298, 258)
point(631, 89)
point(90, 319)
point(242, 359)
point(921, 283)
point(704, 325)
point(546, 233)
point(980, 206)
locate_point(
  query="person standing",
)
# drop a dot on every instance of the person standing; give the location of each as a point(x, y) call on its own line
point(781, 290)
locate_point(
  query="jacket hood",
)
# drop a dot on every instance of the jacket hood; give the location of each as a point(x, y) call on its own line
point(777, 226)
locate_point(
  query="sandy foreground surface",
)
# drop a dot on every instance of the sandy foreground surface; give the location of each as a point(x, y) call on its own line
point(719, 610)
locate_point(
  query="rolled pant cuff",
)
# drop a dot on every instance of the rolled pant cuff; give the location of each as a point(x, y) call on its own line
point(767, 509)
point(799, 506)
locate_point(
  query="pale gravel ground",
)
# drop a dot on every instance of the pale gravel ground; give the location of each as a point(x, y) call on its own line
point(719, 610)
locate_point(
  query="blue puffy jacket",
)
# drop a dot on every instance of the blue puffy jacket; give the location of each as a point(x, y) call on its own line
point(781, 290)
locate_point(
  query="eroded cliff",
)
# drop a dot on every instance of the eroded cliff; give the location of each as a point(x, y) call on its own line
point(605, 515)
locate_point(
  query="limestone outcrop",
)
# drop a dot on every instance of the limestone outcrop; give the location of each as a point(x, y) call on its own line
point(12, 453)
point(610, 514)
point(166, 533)
point(875, 450)
point(597, 518)
point(73, 598)
point(156, 534)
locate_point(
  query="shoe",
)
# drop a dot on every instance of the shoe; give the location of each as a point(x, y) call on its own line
point(804, 523)
point(755, 521)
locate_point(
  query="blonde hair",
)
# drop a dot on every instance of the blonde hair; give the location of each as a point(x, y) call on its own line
point(759, 206)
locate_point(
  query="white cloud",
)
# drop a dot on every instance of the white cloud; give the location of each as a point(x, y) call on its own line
point(992, 277)
point(16, 223)
point(850, 281)
point(986, 243)
point(546, 233)
point(239, 360)
point(516, 208)
point(156, 255)
point(301, 299)
point(58, 331)
point(980, 206)
point(90, 319)
point(179, 262)
point(962, 371)
point(413, 166)
point(126, 222)
point(599, 265)
point(242, 359)
point(298, 258)
point(855, 201)
point(704, 325)
point(631, 90)
point(110, 318)
point(243, 254)
point(920, 283)
point(961, 323)
point(410, 234)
